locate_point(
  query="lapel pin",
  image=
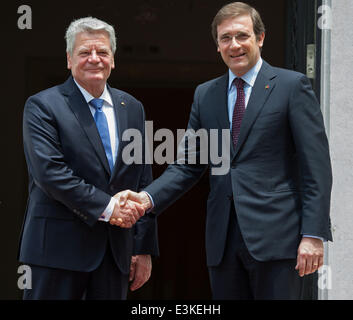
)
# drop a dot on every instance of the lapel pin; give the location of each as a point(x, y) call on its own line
point(267, 87)
point(123, 103)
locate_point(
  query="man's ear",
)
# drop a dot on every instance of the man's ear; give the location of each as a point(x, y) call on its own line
point(113, 63)
point(261, 40)
point(68, 58)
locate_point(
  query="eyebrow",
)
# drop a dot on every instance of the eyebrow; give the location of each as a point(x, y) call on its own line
point(239, 33)
point(105, 48)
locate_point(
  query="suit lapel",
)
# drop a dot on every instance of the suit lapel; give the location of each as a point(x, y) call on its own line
point(120, 111)
point(79, 107)
point(263, 86)
point(219, 97)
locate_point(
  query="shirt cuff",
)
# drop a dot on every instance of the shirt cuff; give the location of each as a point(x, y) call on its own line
point(152, 202)
point(107, 213)
point(315, 237)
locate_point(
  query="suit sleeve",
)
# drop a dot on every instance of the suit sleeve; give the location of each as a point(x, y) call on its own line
point(146, 228)
point(312, 149)
point(47, 166)
point(178, 178)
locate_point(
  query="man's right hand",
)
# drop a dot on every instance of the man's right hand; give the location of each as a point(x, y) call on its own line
point(141, 198)
point(128, 201)
point(126, 215)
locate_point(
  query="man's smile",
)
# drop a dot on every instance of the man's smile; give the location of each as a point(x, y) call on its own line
point(238, 56)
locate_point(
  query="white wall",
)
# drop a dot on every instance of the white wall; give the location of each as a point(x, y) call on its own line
point(341, 144)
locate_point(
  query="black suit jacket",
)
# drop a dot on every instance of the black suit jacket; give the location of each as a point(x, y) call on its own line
point(280, 172)
point(70, 183)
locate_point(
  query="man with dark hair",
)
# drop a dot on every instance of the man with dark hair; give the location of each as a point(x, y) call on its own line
point(268, 216)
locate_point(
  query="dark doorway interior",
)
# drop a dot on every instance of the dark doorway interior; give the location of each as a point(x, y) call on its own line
point(165, 50)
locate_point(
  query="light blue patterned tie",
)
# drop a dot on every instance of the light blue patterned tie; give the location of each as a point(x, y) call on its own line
point(102, 126)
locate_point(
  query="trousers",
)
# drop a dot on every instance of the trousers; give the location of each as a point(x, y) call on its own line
point(240, 277)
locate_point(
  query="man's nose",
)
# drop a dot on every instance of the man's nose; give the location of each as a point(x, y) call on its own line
point(234, 43)
point(93, 56)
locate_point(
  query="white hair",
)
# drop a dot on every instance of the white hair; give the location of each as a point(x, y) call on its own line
point(88, 24)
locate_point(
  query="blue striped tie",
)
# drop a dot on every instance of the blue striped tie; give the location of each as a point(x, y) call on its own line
point(102, 126)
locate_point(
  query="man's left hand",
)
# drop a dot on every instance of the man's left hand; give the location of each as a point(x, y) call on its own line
point(140, 271)
point(310, 256)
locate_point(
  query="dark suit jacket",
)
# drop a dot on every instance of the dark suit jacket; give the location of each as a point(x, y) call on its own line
point(70, 183)
point(280, 175)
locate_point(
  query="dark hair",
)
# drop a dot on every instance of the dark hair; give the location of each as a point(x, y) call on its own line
point(233, 10)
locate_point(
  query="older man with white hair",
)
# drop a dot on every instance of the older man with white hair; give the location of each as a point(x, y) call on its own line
point(71, 133)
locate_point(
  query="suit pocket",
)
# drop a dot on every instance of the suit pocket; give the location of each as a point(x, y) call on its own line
point(267, 120)
point(289, 190)
point(283, 186)
point(52, 211)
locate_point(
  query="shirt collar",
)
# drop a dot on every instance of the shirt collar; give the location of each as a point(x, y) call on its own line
point(248, 77)
point(88, 97)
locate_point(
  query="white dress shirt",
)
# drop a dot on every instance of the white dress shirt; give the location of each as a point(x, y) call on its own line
point(108, 109)
point(249, 79)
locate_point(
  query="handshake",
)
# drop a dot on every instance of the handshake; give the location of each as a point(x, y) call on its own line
point(129, 207)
